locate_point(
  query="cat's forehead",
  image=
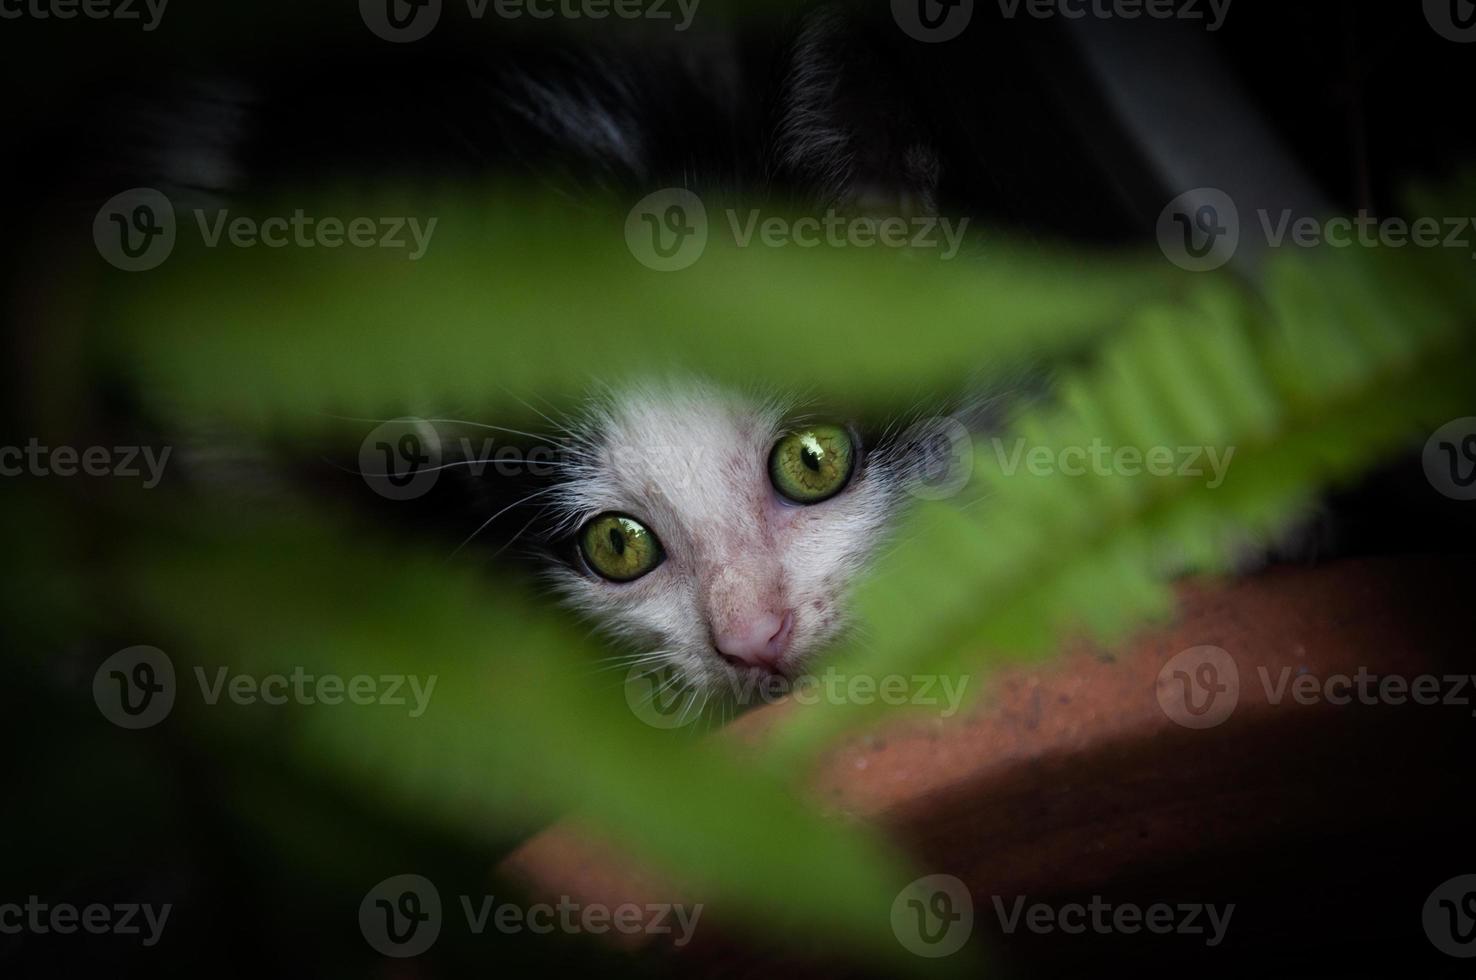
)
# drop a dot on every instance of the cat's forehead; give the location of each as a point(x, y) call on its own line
point(692, 455)
point(686, 421)
point(670, 437)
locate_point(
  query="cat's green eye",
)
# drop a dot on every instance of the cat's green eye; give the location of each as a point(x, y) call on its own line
point(812, 464)
point(620, 548)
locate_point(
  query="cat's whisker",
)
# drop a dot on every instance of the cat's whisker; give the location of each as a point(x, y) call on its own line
point(682, 720)
point(561, 427)
point(512, 540)
point(443, 421)
point(487, 523)
point(444, 466)
point(656, 657)
point(676, 681)
point(650, 667)
point(521, 531)
point(702, 713)
point(638, 655)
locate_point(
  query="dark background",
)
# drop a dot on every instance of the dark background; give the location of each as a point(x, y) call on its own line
point(1365, 96)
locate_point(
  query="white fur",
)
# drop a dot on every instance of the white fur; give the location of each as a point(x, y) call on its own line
point(690, 461)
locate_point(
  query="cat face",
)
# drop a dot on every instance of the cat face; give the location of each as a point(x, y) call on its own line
point(716, 535)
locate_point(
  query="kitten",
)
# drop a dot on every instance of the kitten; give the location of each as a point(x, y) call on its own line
point(719, 534)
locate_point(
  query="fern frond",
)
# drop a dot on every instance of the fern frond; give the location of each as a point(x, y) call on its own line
point(1343, 360)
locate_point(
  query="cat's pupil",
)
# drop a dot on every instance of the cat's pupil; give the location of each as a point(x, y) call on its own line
point(617, 541)
point(811, 459)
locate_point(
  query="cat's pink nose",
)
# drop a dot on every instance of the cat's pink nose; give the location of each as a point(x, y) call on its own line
point(756, 641)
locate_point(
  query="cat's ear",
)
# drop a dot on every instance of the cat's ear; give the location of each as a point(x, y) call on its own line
point(848, 131)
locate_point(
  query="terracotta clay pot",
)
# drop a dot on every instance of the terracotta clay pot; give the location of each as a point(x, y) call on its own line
point(1326, 825)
